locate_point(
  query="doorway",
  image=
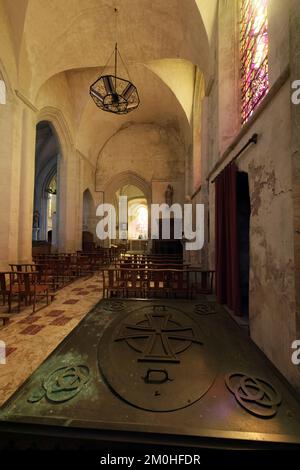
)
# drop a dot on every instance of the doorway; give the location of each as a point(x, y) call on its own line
point(46, 193)
point(243, 229)
point(88, 222)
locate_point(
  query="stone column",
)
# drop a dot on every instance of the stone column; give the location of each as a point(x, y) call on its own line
point(69, 189)
point(27, 165)
point(8, 211)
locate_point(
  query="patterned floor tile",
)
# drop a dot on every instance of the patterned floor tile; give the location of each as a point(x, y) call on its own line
point(35, 341)
point(30, 319)
point(55, 313)
point(10, 350)
point(32, 330)
point(61, 321)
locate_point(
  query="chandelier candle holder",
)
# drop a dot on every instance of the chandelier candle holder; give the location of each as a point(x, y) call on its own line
point(114, 94)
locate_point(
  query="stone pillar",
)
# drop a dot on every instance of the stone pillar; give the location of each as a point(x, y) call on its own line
point(7, 118)
point(17, 136)
point(26, 193)
point(69, 190)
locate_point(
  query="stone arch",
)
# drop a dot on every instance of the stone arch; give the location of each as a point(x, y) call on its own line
point(89, 189)
point(87, 209)
point(128, 178)
point(125, 178)
point(60, 127)
point(62, 131)
point(46, 168)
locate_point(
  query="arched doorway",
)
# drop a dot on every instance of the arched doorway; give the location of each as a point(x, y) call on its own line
point(130, 184)
point(46, 189)
point(136, 229)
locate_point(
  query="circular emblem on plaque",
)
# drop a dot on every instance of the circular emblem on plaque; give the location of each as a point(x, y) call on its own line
point(64, 383)
point(257, 396)
point(61, 385)
point(205, 309)
point(157, 358)
point(114, 306)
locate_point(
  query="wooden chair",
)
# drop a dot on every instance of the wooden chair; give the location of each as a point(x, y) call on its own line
point(201, 281)
point(113, 285)
point(11, 288)
point(33, 290)
point(133, 283)
point(179, 284)
point(3, 286)
point(157, 284)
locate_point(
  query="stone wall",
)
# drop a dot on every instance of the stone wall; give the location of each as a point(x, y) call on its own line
point(272, 314)
point(154, 153)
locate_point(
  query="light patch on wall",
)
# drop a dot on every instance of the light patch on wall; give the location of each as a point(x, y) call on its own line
point(2, 92)
point(179, 76)
point(208, 12)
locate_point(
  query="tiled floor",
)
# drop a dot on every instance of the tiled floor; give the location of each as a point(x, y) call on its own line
point(30, 338)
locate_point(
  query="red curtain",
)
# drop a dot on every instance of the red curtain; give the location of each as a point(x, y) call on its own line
point(227, 260)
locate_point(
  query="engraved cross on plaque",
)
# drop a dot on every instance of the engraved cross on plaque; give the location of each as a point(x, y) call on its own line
point(159, 338)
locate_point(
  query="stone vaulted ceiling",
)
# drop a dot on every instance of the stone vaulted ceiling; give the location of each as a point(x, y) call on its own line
point(161, 41)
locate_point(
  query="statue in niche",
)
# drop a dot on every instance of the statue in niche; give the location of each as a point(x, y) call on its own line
point(169, 195)
point(36, 219)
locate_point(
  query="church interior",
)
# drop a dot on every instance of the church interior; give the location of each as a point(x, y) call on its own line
point(133, 338)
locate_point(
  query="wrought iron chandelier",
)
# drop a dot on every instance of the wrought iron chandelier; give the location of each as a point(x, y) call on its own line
point(112, 93)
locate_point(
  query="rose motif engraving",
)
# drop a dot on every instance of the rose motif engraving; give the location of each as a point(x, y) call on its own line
point(62, 384)
point(255, 395)
point(114, 306)
point(205, 309)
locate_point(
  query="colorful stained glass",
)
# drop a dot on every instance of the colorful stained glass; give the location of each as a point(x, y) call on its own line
point(254, 54)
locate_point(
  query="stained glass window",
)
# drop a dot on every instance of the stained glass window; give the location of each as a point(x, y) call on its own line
point(254, 54)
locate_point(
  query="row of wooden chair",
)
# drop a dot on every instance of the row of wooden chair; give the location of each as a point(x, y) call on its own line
point(27, 283)
point(149, 261)
point(162, 283)
point(26, 287)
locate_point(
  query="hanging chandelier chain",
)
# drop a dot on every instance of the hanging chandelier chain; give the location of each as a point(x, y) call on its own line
point(116, 64)
point(124, 64)
point(116, 24)
point(111, 92)
point(105, 66)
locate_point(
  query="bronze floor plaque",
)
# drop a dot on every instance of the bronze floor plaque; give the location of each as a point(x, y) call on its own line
point(157, 358)
point(156, 371)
